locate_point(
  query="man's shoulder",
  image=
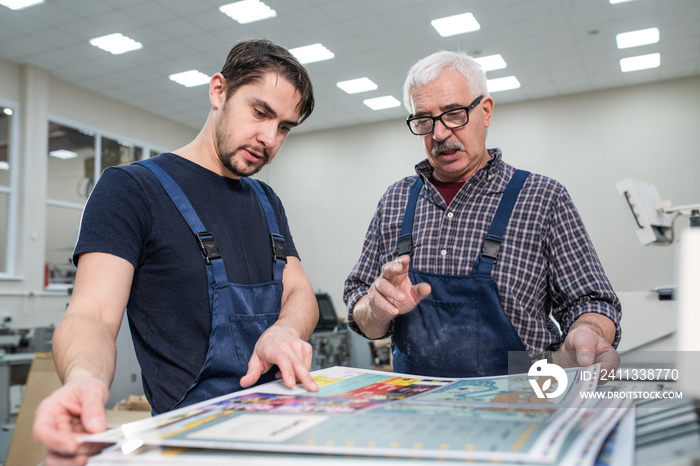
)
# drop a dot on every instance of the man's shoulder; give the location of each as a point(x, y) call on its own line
point(537, 188)
point(123, 177)
point(138, 171)
point(542, 190)
point(268, 190)
point(536, 180)
point(545, 184)
point(399, 189)
point(544, 180)
point(403, 184)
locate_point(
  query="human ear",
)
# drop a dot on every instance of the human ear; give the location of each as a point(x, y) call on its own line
point(487, 104)
point(217, 92)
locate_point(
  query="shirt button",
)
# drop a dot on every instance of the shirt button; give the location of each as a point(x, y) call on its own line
point(450, 215)
point(443, 252)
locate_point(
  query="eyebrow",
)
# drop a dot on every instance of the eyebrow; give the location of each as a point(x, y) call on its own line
point(271, 111)
point(444, 108)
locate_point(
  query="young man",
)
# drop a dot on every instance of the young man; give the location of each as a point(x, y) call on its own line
point(464, 264)
point(199, 255)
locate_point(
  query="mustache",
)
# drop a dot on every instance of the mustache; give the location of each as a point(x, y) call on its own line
point(445, 146)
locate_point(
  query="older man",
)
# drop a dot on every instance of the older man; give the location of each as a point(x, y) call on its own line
point(466, 263)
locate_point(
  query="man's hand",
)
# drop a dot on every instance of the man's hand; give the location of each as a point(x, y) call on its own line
point(281, 346)
point(71, 412)
point(586, 345)
point(389, 295)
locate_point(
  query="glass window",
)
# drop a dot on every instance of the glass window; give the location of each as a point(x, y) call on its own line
point(117, 152)
point(6, 189)
point(72, 169)
point(62, 225)
point(70, 179)
point(5, 117)
point(71, 164)
point(4, 232)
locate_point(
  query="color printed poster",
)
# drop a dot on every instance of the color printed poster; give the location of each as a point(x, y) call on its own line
point(380, 414)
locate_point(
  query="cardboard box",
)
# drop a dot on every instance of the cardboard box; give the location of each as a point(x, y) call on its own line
point(132, 408)
point(41, 382)
point(133, 403)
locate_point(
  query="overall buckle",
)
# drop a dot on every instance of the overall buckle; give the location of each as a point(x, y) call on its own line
point(208, 246)
point(278, 247)
point(404, 245)
point(491, 247)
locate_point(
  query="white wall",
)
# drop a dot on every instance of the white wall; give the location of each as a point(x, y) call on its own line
point(101, 112)
point(330, 181)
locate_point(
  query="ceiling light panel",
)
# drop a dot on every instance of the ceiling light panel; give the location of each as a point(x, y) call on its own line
point(641, 62)
point(190, 78)
point(457, 24)
point(19, 4)
point(380, 103)
point(63, 154)
point(312, 53)
point(503, 84)
point(637, 38)
point(491, 62)
point(116, 43)
point(355, 86)
point(248, 11)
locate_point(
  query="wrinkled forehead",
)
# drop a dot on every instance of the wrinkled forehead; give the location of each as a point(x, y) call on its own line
point(447, 90)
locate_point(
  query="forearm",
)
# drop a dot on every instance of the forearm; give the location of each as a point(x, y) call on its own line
point(300, 314)
point(371, 325)
point(299, 309)
point(83, 346)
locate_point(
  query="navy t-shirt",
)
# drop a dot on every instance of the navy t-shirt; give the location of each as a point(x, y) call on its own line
point(130, 216)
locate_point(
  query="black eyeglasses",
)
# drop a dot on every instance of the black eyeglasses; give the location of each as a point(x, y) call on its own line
point(452, 119)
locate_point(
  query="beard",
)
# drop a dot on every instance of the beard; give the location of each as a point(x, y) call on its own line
point(240, 167)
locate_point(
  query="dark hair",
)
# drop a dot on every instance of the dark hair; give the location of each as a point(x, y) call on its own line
point(249, 60)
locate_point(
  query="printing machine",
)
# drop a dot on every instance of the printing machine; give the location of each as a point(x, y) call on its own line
point(331, 337)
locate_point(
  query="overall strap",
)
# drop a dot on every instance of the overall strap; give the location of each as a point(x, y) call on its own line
point(404, 245)
point(492, 241)
point(276, 239)
point(207, 243)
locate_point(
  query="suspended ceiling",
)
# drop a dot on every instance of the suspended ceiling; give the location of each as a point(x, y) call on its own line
point(553, 47)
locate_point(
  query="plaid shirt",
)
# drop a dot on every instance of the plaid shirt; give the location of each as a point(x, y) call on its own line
point(547, 263)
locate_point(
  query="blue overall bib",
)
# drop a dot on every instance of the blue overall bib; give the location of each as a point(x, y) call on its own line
point(460, 329)
point(240, 313)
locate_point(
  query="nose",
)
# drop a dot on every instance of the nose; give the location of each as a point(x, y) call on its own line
point(267, 136)
point(440, 131)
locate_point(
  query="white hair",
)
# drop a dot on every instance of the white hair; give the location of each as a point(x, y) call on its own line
point(429, 68)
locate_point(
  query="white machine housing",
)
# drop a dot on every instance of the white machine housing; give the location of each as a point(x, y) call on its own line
point(654, 225)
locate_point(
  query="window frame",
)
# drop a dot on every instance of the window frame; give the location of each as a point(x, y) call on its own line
point(98, 134)
point(9, 272)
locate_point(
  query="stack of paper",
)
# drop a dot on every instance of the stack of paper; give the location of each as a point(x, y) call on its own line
point(360, 415)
